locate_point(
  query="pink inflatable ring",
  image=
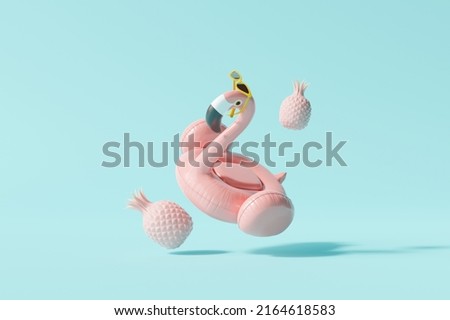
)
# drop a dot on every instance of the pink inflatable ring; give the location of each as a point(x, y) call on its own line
point(229, 186)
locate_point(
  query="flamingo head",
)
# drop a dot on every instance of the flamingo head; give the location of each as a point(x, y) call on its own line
point(239, 99)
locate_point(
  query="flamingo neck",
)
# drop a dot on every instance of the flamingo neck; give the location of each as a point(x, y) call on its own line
point(211, 153)
point(235, 129)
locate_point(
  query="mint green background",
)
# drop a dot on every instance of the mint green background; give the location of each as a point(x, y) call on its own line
point(76, 74)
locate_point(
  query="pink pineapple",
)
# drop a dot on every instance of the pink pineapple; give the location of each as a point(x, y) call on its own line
point(164, 222)
point(295, 110)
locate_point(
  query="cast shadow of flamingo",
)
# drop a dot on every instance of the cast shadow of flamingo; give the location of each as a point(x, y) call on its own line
point(327, 249)
point(304, 249)
point(313, 250)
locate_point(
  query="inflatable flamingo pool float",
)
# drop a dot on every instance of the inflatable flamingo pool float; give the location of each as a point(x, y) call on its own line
point(229, 186)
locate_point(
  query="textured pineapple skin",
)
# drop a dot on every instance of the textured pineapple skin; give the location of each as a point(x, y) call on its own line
point(295, 110)
point(295, 113)
point(167, 223)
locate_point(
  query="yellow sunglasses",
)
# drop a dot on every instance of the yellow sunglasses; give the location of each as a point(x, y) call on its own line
point(242, 88)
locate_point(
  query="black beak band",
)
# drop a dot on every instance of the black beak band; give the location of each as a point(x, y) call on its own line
point(214, 119)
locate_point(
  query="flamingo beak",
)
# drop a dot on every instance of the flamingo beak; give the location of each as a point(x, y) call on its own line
point(214, 119)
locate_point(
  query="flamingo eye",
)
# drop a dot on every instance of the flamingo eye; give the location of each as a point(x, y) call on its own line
point(238, 103)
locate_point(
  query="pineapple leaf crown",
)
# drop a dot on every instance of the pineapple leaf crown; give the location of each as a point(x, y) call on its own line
point(299, 88)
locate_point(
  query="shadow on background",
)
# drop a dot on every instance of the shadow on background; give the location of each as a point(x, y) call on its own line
point(198, 252)
point(313, 249)
point(307, 249)
point(327, 249)
point(422, 248)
